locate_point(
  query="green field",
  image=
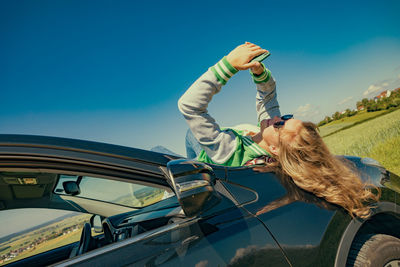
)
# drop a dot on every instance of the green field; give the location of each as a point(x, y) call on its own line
point(347, 122)
point(28, 238)
point(377, 138)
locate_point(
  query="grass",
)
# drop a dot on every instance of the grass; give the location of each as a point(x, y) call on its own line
point(388, 154)
point(348, 122)
point(376, 137)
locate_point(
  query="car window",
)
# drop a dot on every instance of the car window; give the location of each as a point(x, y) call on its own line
point(27, 232)
point(117, 192)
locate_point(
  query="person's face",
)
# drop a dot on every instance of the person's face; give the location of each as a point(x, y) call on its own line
point(271, 135)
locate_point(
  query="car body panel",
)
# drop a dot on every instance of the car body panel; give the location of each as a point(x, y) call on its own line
point(310, 242)
point(287, 213)
point(217, 240)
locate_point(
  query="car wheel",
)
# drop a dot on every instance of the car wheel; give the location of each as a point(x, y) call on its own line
point(375, 250)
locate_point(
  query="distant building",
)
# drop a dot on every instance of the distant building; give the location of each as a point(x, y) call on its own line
point(384, 94)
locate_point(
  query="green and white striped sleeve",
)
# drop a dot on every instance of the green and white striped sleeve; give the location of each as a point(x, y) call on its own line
point(263, 77)
point(223, 70)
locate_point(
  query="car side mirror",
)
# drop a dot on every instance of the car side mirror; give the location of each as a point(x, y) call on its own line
point(95, 222)
point(193, 184)
point(71, 188)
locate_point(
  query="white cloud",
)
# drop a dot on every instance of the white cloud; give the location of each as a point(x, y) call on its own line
point(396, 81)
point(306, 112)
point(240, 252)
point(251, 251)
point(347, 99)
point(372, 89)
point(387, 84)
point(303, 109)
point(203, 263)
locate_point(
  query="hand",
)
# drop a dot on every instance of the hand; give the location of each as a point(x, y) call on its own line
point(258, 69)
point(268, 122)
point(240, 57)
point(265, 168)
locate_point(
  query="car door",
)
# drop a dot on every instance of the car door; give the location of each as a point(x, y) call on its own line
point(223, 235)
point(297, 219)
point(31, 176)
point(42, 222)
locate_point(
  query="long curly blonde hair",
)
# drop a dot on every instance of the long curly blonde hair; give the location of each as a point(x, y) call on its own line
point(308, 161)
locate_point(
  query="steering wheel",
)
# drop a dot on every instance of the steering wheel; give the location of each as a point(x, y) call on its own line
point(86, 239)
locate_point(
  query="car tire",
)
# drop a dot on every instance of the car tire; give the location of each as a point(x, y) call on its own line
point(374, 250)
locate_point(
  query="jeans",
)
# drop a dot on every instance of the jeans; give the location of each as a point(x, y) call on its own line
point(193, 147)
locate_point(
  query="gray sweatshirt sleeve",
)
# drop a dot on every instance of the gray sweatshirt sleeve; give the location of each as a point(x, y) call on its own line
point(219, 145)
point(266, 99)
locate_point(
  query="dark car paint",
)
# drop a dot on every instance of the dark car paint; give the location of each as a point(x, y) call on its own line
point(320, 241)
point(310, 242)
point(288, 214)
point(218, 240)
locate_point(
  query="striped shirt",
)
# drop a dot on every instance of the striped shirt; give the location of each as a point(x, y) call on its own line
point(246, 150)
point(228, 147)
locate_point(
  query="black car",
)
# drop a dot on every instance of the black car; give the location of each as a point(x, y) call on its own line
point(131, 207)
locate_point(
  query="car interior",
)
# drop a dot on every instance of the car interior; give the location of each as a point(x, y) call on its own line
point(110, 222)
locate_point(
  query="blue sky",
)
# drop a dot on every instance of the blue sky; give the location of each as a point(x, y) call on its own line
point(112, 71)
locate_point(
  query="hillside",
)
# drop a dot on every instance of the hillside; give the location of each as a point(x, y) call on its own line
point(377, 137)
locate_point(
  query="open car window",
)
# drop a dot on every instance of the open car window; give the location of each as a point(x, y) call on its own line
point(33, 231)
point(116, 192)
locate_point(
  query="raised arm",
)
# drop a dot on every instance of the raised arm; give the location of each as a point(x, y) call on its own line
point(266, 99)
point(219, 145)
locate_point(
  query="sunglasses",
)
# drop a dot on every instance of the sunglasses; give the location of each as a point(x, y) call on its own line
point(284, 118)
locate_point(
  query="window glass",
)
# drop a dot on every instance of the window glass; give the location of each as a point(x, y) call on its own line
point(27, 232)
point(117, 192)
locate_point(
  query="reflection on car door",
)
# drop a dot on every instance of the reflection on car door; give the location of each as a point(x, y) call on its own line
point(224, 235)
point(296, 218)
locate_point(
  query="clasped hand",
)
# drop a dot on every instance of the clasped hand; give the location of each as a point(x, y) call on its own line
point(240, 57)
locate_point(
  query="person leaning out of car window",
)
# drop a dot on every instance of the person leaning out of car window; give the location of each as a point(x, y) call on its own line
point(288, 146)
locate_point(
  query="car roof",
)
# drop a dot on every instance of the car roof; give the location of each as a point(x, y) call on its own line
point(55, 144)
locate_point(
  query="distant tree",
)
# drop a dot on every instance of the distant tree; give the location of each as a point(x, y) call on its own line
point(328, 119)
point(372, 107)
point(365, 101)
point(347, 113)
point(336, 115)
point(368, 104)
